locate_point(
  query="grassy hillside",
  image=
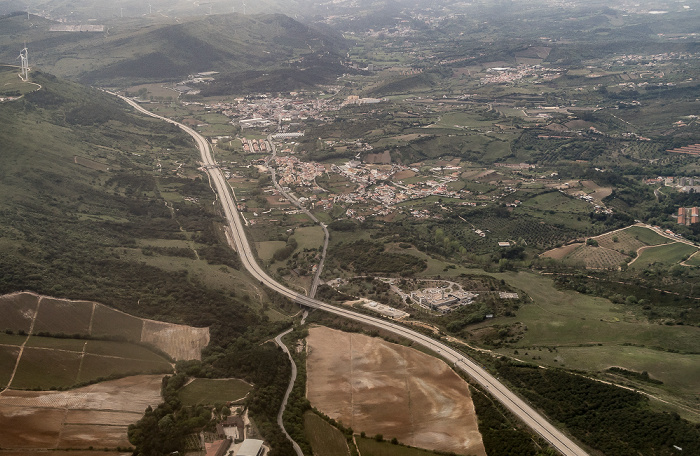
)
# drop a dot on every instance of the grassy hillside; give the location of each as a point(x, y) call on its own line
point(137, 50)
point(102, 204)
point(80, 184)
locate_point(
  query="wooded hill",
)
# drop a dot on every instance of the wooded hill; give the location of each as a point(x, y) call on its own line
point(136, 50)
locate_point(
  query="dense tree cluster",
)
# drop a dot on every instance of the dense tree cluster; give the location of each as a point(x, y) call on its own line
point(608, 418)
point(368, 257)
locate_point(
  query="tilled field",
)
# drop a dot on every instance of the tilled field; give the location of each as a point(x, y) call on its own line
point(382, 388)
point(95, 416)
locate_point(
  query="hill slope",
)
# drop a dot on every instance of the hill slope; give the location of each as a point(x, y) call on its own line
point(138, 51)
point(83, 213)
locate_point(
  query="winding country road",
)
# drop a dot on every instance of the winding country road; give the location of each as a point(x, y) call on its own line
point(280, 415)
point(509, 399)
point(292, 199)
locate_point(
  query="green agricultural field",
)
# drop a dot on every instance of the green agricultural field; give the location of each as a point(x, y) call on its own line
point(94, 367)
point(43, 369)
point(647, 236)
point(11, 339)
point(52, 362)
point(122, 350)
point(566, 320)
point(558, 202)
point(8, 359)
point(370, 447)
point(74, 345)
point(666, 254)
point(325, 439)
point(310, 237)
point(693, 260)
point(204, 391)
point(268, 248)
point(678, 371)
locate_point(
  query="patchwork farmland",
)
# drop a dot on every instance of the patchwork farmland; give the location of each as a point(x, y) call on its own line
point(57, 344)
point(65, 335)
point(35, 314)
point(94, 416)
point(637, 245)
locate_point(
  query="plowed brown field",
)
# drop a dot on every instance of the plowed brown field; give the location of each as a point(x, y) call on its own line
point(382, 388)
point(97, 415)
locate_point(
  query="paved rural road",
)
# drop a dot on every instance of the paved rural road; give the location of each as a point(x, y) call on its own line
point(280, 422)
point(293, 200)
point(510, 400)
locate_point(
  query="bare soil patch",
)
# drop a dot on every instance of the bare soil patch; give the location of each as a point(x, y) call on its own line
point(561, 252)
point(97, 415)
point(379, 387)
point(18, 310)
point(598, 192)
point(178, 341)
point(404, 174)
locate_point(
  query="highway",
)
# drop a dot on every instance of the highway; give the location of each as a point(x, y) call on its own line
point(510, 400)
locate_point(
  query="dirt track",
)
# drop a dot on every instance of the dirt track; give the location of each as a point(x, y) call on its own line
point(378, 387)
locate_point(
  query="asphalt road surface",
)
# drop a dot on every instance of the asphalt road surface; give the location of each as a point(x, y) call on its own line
point(510, 400)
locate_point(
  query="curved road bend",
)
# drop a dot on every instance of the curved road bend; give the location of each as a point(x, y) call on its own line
point(510, 400)
point(280, 421)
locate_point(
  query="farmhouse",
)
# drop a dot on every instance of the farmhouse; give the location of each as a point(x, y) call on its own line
point(232, 427)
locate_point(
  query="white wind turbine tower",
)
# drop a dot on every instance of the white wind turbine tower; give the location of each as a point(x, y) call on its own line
point(244, 5)
point(24, 57)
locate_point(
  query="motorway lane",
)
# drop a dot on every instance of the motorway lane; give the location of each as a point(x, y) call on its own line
point(510, 400)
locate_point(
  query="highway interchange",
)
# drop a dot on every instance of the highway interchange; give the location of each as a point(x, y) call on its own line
point(509, 399)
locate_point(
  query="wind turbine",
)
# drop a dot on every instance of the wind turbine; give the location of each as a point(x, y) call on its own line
point(244, 8)
point(150, 9)
point(210, 10)
point(24, 58)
